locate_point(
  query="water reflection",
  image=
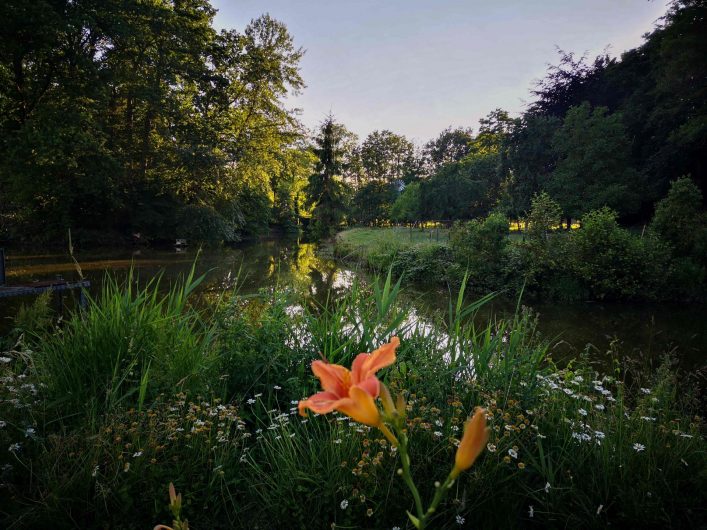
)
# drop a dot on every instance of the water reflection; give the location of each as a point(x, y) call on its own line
point(644, 329)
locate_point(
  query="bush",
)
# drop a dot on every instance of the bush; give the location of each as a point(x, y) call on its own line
point(605, 257)
point(480, 245)
point(678, 218)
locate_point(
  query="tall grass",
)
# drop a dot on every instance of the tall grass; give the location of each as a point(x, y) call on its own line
point(128, 345)
point(142, 391)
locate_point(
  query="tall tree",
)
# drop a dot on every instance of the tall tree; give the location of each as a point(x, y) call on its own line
point(594, 165)
point(388, 157)
point(325, 190)
point(450, 146)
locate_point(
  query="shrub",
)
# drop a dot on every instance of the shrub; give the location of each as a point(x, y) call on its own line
point(606, 257)
point(480, 245)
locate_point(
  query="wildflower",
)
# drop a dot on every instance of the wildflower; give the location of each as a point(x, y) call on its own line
point(599, 406)
point(14, 447)
point(491, 448)
point(460, 520)
point(2, 424)
point(646, 391)
point(344, 504)
point(599, 435)
point(396, 528)
point(472, 443)
point(639, 447)
point(547, 487)
point(439, 423)
point(5, 360)
point(582, 412)
point(137, 454)
point(531, 511)
point(513, 453)
point(277, 387)
point(258, 395)
point(250, 401)
point(521, 465)
point(648, 418)
point(351, 392)
point(29, 431)
point(369, 512)
point(437, 434)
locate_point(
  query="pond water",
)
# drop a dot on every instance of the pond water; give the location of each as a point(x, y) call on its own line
point(645, 330)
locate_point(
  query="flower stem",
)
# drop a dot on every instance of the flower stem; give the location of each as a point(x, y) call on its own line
point(407, 477)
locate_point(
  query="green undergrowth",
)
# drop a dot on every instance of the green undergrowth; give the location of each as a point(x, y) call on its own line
point(101, 411)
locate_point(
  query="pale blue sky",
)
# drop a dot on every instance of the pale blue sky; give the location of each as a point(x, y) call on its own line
point(418, 66)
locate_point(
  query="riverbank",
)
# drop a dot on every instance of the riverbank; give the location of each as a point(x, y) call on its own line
point(145, 389)
point(599, 262)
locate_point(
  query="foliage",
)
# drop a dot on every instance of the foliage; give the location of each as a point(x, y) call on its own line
point(325, 190)
point(204, 223)
point(450, 146)
point(129, 345)
point(680, 221)
point(388, 157)
point(610, 260)
point(118, 116)
point(545, 215)
point(480, 245)
point(566, 441)
point(408, 206)
point(372, 202)
point(593, 163)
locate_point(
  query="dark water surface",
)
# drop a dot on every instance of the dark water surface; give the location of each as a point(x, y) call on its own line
point(644, 330)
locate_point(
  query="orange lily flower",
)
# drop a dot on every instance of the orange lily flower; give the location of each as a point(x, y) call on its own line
point(351, 392)
point(475, 436)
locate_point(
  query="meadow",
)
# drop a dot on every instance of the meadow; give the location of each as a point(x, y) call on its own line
point(103, 410)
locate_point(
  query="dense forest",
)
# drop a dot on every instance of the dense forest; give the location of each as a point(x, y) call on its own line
point(133, 121)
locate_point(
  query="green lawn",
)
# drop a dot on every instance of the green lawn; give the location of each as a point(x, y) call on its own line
point(395, 236)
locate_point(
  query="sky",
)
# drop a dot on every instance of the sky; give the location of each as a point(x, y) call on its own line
point(416, 67)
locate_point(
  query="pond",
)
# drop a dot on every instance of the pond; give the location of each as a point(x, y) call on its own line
point(644, 330)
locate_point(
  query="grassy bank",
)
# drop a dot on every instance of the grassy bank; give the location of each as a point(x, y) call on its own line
point(102, 411)
point(599, 261)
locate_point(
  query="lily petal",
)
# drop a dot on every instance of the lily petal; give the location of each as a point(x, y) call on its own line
point(473, 442)
point(334, 378)
point(321, 403)
point(367, 364)
point(371, 385)
point(360, 407)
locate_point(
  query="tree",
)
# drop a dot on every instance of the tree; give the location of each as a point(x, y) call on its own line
point(593, 163)
point(372, 202)
point(118, 117)
point(325, 190)
point(388, 157)
point(450, 146)
point(679, 218)
point(545, 214)
point(528, 160)
point(408, 206)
